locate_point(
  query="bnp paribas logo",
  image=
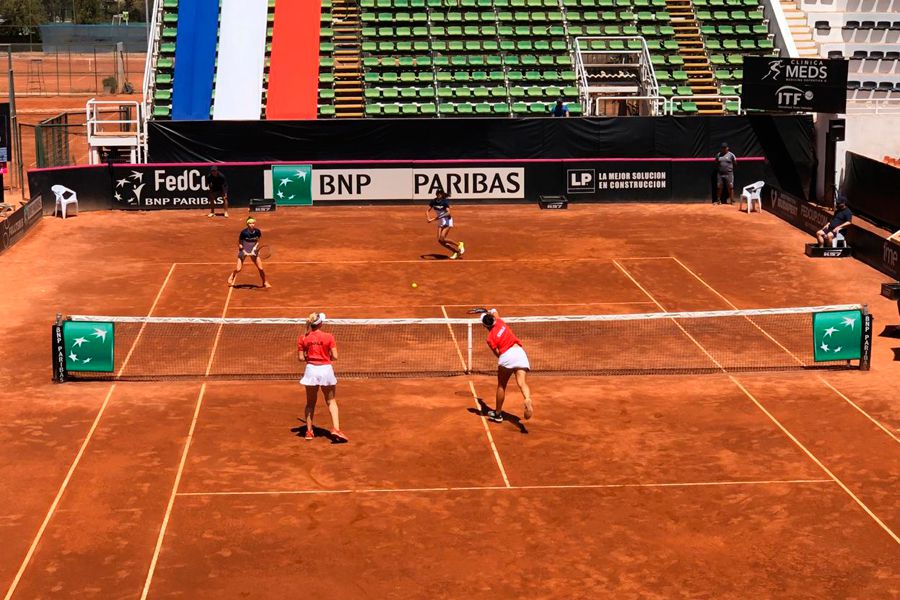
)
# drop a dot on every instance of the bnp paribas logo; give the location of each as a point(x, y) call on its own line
point(130, 188)
point(292, 185)
point(837, 335)
point(89, 346)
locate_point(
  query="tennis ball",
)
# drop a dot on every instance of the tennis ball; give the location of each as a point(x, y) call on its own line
point(414, 285)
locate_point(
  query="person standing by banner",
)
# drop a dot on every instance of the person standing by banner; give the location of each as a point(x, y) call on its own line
point(725, 161)
point(218, 188)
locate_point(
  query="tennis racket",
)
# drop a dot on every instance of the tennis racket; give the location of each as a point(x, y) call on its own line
point(264, 252)
point(477, 311)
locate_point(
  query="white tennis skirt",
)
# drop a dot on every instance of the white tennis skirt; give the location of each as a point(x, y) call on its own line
point(445, 222)
point(514, 358)
point(318, 375)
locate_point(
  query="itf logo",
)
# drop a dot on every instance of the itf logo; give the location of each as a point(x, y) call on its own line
point(581, 181)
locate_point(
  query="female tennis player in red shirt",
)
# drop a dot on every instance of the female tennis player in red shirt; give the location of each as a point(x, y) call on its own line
point(318, 349)
point(511, 359)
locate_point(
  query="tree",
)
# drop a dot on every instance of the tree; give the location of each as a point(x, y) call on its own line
point(25, 14)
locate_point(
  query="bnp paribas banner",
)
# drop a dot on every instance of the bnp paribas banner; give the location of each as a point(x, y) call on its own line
point(89, 346)
point(303, 184)
point(838, 335)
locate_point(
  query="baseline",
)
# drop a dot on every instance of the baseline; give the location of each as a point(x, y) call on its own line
point(598, 486)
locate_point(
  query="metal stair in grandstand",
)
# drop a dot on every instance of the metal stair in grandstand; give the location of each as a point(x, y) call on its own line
point(696, 59)
point(800, 30)
point(348, 80)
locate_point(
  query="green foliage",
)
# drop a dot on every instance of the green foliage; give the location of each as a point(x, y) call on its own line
point(23, 13)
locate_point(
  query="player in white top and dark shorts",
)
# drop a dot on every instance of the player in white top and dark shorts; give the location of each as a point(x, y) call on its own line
point(248, 246)
point(440, 207)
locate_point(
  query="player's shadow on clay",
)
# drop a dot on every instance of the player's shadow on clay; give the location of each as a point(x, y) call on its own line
point(434, 257)
point(248, 286)
point(483, 409)
point(320, 432)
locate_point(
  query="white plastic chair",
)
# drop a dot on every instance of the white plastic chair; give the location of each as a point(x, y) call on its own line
point(64, 197)
point(839, 241)
point(750, 193)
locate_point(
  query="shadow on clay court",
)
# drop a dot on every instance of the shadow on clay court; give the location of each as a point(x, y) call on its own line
point(320, 432)
point(434, 257)
point(483, 408)
point(248, 286)
point(893, 332)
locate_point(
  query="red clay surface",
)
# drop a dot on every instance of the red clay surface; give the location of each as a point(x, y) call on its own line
point(709, 486)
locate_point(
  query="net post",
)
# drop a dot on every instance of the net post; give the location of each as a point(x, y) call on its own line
point(469, 348)
point(865, 360)
point(58, 351)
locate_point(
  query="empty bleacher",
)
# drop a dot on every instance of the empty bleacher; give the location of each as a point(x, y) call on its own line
point(391, 58)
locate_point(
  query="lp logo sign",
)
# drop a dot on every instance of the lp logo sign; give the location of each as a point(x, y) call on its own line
point(581, 181)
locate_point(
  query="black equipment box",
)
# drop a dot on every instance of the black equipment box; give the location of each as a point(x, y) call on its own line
point(816, 251)
point(891, 291)
point(553, 202)
point(261, 205)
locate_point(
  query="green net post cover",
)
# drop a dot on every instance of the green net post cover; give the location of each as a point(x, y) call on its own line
point(837, 335)
point(292, 185)
point(89, 346)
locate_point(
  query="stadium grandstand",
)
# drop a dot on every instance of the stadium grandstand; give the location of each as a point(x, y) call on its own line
point(394, 58)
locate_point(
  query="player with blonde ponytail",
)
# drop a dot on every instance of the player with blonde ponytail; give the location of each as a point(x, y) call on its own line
point(318, 350)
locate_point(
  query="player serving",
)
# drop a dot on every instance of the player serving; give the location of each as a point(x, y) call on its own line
point(318, 349)
point(439, 207)
point(248, 246)
point(511, 359)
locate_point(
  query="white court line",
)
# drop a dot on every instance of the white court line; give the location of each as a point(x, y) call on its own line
point(677, 324)
point(817, 461)
point(488, 488)
point(822, 379)
point(59, 495)
point(184, 454)
point(463, 305)
point(144, 325)
point(84, 444)
point(857, 407)
point(420, 261)
point(170, 505)
point(487, 429)
point(784, 429)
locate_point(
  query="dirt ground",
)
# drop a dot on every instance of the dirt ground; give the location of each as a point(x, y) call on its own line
point(726, 485)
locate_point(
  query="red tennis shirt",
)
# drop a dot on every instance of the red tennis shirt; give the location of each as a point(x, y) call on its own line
point(501, 338)
point(316, 344)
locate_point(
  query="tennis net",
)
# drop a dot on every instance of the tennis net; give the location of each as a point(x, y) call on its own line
point(168, 348)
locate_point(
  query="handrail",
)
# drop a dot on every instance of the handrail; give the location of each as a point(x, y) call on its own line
point(152, 56)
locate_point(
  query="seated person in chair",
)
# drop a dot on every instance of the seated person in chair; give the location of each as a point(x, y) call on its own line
point(841, 218)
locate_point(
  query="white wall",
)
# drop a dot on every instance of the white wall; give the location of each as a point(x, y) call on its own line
point(874, 136)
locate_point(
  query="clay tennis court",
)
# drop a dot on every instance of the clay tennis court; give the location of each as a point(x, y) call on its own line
point(723, 485)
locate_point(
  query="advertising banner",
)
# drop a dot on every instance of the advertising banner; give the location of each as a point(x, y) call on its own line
point(837, 335)
point(402, 183)
point(139, 187)
point(868, 246)
point(796, 84)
